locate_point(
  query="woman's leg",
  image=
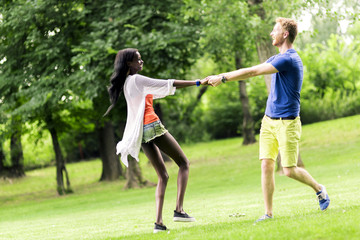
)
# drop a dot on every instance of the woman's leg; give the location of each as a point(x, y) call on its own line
point(154, 155)
point(170, 146)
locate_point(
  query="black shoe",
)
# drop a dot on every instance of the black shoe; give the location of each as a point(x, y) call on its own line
point(159, 228)
point(182, 217)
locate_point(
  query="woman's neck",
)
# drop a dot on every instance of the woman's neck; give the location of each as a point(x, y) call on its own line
point(130, 72)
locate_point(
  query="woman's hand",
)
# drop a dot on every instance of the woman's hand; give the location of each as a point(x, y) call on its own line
point(204, 82)
point(214, 80)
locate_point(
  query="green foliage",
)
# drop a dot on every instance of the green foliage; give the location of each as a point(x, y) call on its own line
point(37, 47)
point(331, 80)
point(56, 60)
point(166, 44)
point(332, 105)
point(223, 111)
point(353, 31)
point(332, 66)
point(185, 127)
point(224, 29)
point(38, 151)
point(335, 10)
point(183, 114)
point(217, 116)
point(257, 93)
point(58, 57)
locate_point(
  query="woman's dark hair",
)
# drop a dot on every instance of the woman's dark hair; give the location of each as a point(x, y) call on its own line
point(119, 75)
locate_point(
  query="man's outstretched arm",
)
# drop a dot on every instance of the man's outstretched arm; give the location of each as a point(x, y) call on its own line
point(242, 74)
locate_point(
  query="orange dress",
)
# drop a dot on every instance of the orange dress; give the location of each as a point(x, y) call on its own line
point(149, 114)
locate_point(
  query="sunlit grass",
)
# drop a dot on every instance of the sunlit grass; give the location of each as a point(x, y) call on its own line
point(224, 180)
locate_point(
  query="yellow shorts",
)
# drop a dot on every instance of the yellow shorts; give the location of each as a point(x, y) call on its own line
point(283, 135)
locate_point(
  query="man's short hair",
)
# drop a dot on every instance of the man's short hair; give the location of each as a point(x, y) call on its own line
point(289, 25)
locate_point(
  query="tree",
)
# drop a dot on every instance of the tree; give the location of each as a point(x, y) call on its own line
point(11, 44)
point(228, 42)
point(111, 167)
point(37, 49)
point(264, 47)
point(248, 122)
point(153, 28)
point(2, 159)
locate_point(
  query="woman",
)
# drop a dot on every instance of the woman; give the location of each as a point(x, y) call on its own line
point(143, 127)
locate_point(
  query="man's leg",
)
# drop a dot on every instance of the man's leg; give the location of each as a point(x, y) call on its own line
point(267, 154)
point(289, 137)
point(268, 184)
point(301, 175)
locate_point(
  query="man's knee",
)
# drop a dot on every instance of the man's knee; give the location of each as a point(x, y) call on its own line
point(267, 165)
point(289, 171)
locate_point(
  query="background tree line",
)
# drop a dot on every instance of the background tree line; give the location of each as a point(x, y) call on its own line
point(56, 60)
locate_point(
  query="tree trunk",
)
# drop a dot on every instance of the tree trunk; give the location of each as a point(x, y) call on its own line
point(264, 47)
point(133, 172)
point(81, 152)
point(134, 176)
point(248, 123)
point(2, 159)
point(17, 157)
point(265, 50)
point(111, 170)
point(60, 164)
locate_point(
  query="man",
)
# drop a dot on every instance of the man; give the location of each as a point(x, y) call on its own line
point(281, 126)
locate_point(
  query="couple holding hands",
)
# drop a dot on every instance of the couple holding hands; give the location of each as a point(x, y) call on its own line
point(280, 127)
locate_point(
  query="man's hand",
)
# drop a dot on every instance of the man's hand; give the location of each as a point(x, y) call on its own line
point(214, 80)
point(204, 82)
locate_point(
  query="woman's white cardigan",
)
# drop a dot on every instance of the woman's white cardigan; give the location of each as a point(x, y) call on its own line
point(136, 88)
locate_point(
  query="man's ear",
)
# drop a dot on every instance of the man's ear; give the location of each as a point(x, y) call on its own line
point(286, 34)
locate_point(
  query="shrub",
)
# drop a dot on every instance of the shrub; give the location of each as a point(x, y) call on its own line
point(333, 105)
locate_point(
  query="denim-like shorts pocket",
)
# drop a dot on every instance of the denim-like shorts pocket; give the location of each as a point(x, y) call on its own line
point(152, 131)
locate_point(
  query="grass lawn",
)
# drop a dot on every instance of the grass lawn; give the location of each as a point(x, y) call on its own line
point(224, 181)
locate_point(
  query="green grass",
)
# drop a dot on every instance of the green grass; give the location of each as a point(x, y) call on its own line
point(224, 179)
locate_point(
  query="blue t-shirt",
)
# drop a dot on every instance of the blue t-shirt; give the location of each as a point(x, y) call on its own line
point(284, 97)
